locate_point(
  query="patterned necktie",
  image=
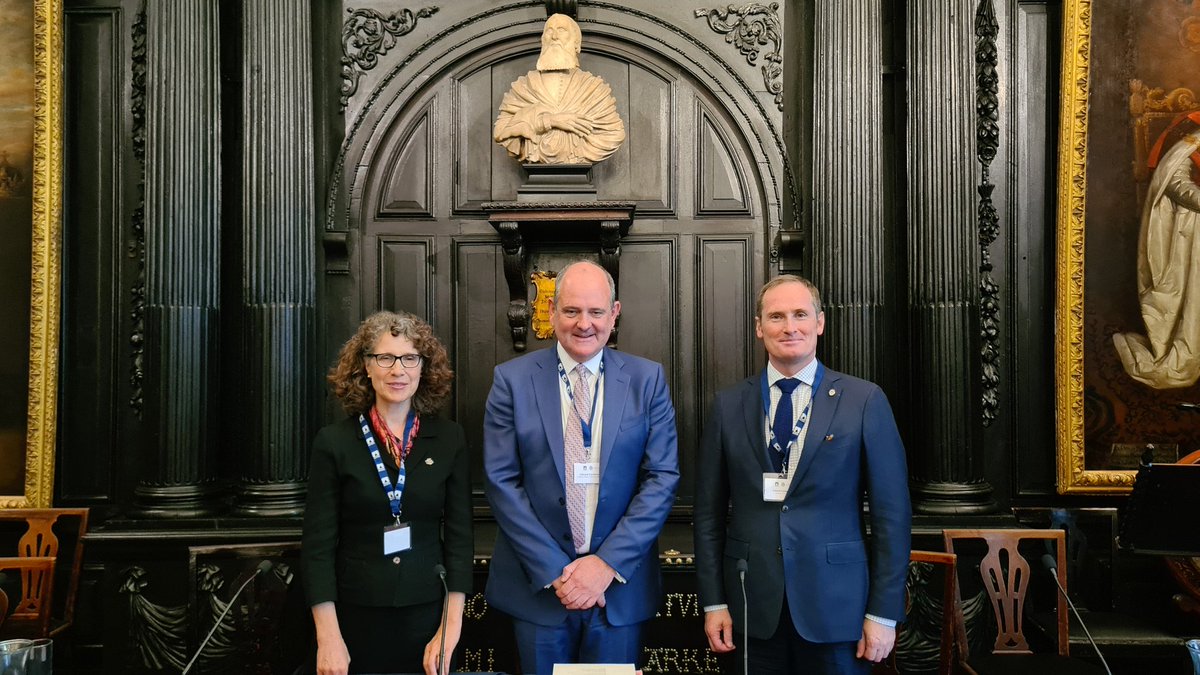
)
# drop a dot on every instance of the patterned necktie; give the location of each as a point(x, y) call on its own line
point(784, 420)
point(575, 453)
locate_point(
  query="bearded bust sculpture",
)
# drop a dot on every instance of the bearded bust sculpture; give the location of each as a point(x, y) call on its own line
point(559, 114)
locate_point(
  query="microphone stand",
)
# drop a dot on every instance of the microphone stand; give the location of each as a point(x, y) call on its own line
point(441, 572)
point(741, 570)
point(264, 566)
point(1048, 562)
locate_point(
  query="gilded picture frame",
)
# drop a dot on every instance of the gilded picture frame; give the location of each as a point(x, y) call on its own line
point(1122, 88)
point(38, 193)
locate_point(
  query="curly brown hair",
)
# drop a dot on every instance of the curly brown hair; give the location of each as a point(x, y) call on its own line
point(349, 375)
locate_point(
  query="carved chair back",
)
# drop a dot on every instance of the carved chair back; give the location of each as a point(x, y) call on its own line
point(950, 648)
point(37, 564)
point(1006, 574)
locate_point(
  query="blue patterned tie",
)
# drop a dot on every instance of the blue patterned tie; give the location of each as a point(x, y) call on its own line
point(784, 420)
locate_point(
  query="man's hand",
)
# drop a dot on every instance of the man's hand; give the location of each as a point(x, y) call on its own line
point(877, 641)
point(718, 627)
point(567, 121)
point(584, 582)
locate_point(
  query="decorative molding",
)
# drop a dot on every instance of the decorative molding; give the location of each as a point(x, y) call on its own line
point(136, 246)
point(366, 36)
point(156, 632)
point(987, 137)
point(751, 28)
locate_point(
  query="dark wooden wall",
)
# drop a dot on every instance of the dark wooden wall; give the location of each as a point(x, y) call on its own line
point(728, 192)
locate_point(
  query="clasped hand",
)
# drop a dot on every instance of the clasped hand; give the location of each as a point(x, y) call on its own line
point(583, 583)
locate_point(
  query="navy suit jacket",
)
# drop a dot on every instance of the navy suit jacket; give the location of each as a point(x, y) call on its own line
point(811, 546)
point(524, 479)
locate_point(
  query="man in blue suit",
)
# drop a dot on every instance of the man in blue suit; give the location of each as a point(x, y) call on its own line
point(793, 449)
point(581, 468)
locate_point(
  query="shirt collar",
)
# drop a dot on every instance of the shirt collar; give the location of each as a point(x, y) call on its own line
point(806, 375)
point(568, 363)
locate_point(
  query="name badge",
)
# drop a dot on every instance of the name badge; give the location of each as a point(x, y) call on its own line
point(587, 473)
point(775, 487)
point(397, 538)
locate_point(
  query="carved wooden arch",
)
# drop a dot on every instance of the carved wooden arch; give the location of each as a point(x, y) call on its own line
point(508, 30)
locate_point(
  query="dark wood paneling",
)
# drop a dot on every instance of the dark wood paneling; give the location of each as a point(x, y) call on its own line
point(404, 276)
point(720, 185)
point(91, 253)
point(473, 152)
point(408, 188)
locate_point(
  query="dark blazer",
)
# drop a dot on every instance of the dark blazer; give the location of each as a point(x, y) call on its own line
point(523, 459)
point(811, 545)
point(342, 551)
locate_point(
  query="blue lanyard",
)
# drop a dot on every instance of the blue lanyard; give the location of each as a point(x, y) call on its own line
point(584, 425)
point(396, 495)
point(773, 443)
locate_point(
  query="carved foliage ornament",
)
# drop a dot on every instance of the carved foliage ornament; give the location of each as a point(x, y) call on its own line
point(366, 36)
point(751, 28)
point(987, 137)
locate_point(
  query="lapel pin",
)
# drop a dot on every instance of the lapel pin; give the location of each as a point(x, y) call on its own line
point(829, 437)
point(833, 392)
point(429, 461)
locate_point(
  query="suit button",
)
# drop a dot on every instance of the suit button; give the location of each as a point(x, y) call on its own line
point(562, 502)
point(396, 560)
point(567, 537)
point(784, 509)
point(779, 550)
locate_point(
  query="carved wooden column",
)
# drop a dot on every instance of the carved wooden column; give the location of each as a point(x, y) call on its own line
point(847, 211)
point(278, 256)
point(947, 466)
point(182, 230)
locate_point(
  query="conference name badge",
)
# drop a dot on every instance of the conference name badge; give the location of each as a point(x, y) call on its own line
point(587, 473)
point(775, 486)
point(397, 538)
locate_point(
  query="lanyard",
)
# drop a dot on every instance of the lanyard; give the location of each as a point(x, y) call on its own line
point(786, 449)
point(396, 495)
point(584, 425)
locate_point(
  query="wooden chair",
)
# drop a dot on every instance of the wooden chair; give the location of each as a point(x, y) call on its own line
point(37, 564)
point(951, 648)
point(1006, 575)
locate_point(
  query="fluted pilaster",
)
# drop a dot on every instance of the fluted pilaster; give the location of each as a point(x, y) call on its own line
point(279, 248)
point(182, 230)
point(947, 469)
point(847, 213)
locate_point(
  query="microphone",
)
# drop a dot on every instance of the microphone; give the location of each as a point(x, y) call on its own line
point(1052, 567)
point(742, 566)
point(441, 572)
point(264, 566)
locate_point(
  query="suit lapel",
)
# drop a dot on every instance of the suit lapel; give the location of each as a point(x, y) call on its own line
point(544, 379)
point(754, 420)
point(616, 390)
point(820, 418)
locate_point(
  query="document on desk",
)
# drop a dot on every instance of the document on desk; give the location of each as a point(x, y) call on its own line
point(593, 669)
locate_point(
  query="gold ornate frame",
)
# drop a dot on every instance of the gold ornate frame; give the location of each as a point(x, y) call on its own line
point(44, 265)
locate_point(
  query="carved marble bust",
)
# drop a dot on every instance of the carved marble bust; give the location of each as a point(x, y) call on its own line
point(559, 114)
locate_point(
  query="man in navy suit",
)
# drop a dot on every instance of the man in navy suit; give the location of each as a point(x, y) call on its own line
point(581, 468)
point(793, 449)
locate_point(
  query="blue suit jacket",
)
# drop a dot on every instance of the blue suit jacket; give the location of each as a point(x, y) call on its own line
point(524, 479)
point(811, 545)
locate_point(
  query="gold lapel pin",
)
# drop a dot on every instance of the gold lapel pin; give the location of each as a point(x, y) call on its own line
point(833, 392)
point(429, 461)
point(829, 437)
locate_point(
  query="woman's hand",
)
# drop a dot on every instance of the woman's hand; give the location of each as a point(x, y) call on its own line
point(453, 623)
point(332, 656)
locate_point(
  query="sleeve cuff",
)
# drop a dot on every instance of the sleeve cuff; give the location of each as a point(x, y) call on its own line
point(713, 608)
point(879, 620)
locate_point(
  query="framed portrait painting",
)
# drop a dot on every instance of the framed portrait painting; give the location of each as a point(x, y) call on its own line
point(1127, 352)
point(30, 210)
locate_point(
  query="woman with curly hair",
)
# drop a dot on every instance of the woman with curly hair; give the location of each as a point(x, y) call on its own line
point(389, 507)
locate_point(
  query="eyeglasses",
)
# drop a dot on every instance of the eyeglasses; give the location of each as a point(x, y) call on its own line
point(386, 361)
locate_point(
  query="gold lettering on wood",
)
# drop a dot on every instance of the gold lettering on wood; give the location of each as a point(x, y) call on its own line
point(475, 607)
point(479, 660)
point(673, 660)
point(544, 283)
point(687, 604)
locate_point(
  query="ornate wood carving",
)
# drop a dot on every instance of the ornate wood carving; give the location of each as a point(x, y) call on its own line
point(987, 137)
point(366, 36)
point(750, 28)
point(156, 632)
point(136, 247)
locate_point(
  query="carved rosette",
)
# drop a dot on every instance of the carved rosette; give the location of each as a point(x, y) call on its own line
point(366, 36)
point(987, 137)
point(751, 28)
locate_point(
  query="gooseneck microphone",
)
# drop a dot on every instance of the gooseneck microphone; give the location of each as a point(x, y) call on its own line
point(441, 572)
point(1051, 566)
point(264, 566)
point(741, 570)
